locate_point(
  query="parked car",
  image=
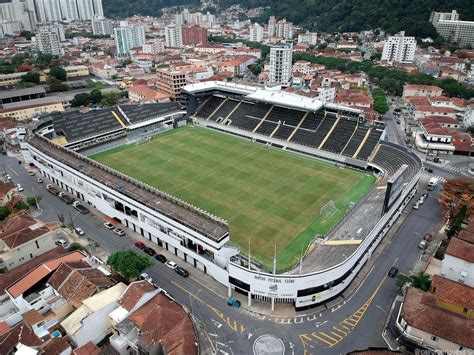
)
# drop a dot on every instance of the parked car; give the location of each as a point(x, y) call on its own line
point(31, 173)
point(62, 243)
point(39, 180)
point(79, 231)
point(146, 277)
point(108, 225)
point(423, 244)
point(19, 188)
point(428, 237)
point(171, 264)
point(182, 272)
point(416, 205)
point(80, 208)
point(139, 245)
point(149, 251)
point(429, 170)
point(161, 258)
point(120, 232)
point(422, 199)
point(65, 197)
point(393, 271)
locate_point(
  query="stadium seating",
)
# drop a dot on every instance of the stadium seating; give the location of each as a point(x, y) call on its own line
point(140, 113)
point(315, 129)
point(209, 107)
point(340, 135)
point(391, 159)
point(313, 120)
point(355, 141)
point(283, 132)
point(75, 126)
point(284, 115)
point(370, 143)
point(266, 128)
point(224, 110)
point(240, 119)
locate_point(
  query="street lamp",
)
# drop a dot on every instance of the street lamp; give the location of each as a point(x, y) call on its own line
point(35, 197)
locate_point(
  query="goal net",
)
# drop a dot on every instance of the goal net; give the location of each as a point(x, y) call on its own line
point(329, 209)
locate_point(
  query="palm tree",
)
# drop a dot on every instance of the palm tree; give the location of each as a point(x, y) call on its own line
point(421, 281)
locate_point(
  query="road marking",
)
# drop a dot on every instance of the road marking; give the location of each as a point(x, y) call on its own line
point(14, 172)
point(233, 324)
point(337, 333)
point(343, 242)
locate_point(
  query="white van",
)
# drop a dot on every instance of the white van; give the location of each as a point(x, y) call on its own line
point(432, 183)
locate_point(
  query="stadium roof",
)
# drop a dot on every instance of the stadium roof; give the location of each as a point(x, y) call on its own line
point(287, 99)
point(220, 85)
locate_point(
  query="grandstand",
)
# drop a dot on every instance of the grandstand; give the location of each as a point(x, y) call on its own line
point(332, 129)
point(79, 130)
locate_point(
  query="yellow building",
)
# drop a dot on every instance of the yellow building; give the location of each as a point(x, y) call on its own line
point(21, 111)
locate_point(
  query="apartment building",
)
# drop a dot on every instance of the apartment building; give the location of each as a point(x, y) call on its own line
point(194, 36)
point(449, 26)
point(128, 37)
point(399, 48)
point(173, 36)
point(170, 82)
point(102, 26)
point(281, 63)
point(256, 33)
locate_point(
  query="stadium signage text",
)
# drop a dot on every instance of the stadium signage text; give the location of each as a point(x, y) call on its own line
point(274, 280)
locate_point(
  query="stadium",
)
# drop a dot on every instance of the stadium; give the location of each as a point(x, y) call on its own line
point(279, 197)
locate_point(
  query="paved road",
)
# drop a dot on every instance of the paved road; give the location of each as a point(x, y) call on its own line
point(355, 325)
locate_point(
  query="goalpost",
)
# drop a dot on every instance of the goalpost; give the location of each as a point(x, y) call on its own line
point(329, 209)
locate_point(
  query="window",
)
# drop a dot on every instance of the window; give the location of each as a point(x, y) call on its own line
point(434, 338)
point(465, 310)
point(37, 245)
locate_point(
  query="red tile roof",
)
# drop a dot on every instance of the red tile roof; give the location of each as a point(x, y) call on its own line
point(461, 249)
point(420, 311)
point(41, 272)
point(20, 229)
point(453, 292)
point(88, 348)
point(6, 187)
point(422, 87)
point(76, 281)
point(134, 293)
point(18, 334)
point(163, 321)
point(20, 271)
point(32, 317)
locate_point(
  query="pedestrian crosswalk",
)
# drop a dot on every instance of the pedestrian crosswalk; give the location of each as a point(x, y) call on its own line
point(440, 178)
point(453, 168)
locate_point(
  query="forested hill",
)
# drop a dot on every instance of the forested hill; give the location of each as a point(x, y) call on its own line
point(124, 8)
point(356, 15)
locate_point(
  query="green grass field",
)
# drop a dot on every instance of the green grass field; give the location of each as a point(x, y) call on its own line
point(271, 196)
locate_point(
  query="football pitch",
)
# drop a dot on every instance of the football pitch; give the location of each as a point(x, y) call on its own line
point(273, 197)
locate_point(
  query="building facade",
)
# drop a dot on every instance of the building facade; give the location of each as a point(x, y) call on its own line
point(102, 26)
point(48, 42)
point(194, 36)
point(281, 63)
point(173, 36)
point(170, 82)
point(256, 33)
point(399, 48)
point(449, 26)
point(128, 37)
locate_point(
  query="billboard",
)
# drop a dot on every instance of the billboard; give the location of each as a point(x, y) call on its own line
point(395, 187)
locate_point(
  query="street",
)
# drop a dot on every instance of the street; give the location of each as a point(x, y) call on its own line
point(356, 324)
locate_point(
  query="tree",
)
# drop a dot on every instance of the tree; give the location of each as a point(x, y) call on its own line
point(26, 34)
point(95, 96)
point(56, 85)
point(58, 73)
point(456, 193)
point(44, 60)
point(76, 246)
point(128, 263)
point(31, 77)
point(80, 100)
point(4, 212)
point(421, 281)
point(33, 200)
point(6, 68)
point(256, 69)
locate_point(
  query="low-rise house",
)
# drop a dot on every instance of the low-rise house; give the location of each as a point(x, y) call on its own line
point(23, 238)
point(421, 90)
point(7, 192)
point(22, 111)
point(147, 94)
point(160, 324)
point(27, 289)
point(354, 98)
point(458, 262)
point(90, 322)
point(439, 320)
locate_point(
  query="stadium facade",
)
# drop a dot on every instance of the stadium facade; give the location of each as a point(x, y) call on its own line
point(59, 145)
